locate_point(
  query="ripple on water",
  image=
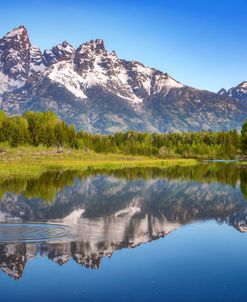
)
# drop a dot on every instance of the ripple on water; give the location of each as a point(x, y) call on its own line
point(29, 232)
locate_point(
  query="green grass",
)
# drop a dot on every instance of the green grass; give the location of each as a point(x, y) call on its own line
point(32, 161)
point(244, 163)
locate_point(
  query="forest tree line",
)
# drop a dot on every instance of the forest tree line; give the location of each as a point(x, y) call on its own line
point(45, 128)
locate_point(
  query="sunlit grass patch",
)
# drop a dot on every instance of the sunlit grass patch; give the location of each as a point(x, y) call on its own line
point(32, 161)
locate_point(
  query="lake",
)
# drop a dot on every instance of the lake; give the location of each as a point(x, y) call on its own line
point(173, 234)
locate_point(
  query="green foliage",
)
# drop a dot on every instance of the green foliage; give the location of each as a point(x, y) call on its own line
point(3, 117)
point(36, 128)
point(45, 128)
point(15, 131)
point(244, 138)
point(208, 145)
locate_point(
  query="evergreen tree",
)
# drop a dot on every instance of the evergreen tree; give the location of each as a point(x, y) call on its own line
point(244, 138)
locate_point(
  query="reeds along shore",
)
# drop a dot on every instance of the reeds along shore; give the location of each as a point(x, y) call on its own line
point(36, 160)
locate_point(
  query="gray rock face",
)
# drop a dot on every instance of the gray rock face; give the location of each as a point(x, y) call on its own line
point(239, 92)
point(98, 92)
point(60, 52)
point(15, 53)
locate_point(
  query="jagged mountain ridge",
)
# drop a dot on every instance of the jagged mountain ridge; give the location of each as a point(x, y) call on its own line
point(99, 92)
point(239, 92)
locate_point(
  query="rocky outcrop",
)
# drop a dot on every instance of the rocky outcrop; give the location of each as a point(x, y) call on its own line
point(99, 92)
point(239, 92)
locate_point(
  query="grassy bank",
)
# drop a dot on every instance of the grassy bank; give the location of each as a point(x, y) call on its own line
point(32, 161)
point(241, 163)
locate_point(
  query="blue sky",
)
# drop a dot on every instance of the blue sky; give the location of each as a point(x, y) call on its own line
point(201, 43)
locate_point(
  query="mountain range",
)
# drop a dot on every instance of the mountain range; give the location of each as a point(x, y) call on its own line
point(99, 92)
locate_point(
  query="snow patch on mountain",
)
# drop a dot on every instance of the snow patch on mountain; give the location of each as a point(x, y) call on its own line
point(16, 32)
point(7, 84)
point(36, 61)
point(64, 74)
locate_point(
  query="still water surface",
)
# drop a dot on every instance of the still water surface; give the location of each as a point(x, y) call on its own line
point(174, 234)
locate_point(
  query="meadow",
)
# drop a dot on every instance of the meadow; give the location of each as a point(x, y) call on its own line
point(32, 161)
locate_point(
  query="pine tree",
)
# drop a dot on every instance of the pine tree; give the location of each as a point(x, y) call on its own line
point(244, 138)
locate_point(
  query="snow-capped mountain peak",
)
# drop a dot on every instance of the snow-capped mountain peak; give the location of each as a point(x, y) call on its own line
point(239, 92)
point(243, 87)
point(15, 53)
point(97, 46)
point(222, 91)
point(18, 32)
point(96, 90)
point(78, 69)
point(60, 52)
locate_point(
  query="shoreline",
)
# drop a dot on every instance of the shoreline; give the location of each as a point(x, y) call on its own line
point(32, 161)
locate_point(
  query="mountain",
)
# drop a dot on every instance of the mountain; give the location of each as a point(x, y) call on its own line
point(239, 92)
point(98, 92)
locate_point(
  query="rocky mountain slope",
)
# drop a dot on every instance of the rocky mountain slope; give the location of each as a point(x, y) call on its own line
point(239, 92)
point(98, 92)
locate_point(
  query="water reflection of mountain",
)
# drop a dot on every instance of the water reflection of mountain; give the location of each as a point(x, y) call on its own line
point(120, 209)
point(100, 237)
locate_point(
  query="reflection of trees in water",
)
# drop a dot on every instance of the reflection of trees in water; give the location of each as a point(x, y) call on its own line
point(48, 184)
point(243, 182)
point(180, 193)
point(45, 186)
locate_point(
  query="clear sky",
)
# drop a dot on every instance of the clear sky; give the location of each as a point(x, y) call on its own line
point(202, 43)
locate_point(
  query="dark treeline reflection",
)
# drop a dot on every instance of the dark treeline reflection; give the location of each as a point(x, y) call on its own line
point(211, 189)
point(50, 183)
point(99, 212)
